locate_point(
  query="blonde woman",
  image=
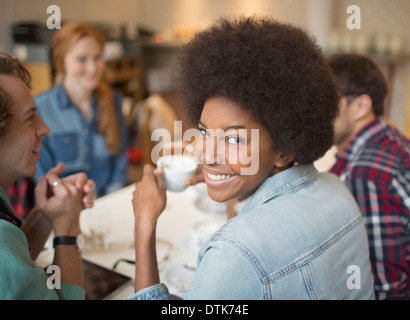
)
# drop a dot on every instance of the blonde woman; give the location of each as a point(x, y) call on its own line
point(83, 113)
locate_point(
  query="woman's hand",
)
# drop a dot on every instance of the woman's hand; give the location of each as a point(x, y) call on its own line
point(149, 200)
point(149, 196)
point(197, 178)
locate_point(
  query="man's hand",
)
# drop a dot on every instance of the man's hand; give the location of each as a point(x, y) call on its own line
point(62, 199)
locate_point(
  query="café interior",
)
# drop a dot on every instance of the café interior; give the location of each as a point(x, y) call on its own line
point(143, 39)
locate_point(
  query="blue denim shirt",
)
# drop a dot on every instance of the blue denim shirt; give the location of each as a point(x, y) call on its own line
point(78, 143)
point(300, 236)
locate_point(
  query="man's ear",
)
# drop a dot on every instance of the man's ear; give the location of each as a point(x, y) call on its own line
point(361, 107)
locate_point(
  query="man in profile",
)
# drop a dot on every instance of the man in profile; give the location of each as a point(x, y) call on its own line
point(373, 160)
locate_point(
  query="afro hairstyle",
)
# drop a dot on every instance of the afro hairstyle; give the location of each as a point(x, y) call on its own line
point(274, 71)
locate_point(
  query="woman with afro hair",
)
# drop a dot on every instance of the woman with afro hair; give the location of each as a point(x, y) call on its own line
point(299, 234)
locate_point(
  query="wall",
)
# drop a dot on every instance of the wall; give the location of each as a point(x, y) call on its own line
point(381, 16)
point(386, 17)
point(92, 10)
point(316, 16)
point(157, 15)
point(5, 39)
point(163, 14)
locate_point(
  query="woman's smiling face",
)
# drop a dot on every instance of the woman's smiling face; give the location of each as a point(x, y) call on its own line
point(237, 152)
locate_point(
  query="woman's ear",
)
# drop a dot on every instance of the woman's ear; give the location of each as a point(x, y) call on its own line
point(284, 160)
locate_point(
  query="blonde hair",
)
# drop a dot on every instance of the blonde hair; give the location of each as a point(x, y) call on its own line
point(63, 41)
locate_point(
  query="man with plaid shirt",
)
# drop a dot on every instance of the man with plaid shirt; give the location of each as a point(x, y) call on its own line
point(373, 159)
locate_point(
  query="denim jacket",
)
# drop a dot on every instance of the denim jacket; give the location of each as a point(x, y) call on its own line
point(300, 236)
point(78, 143)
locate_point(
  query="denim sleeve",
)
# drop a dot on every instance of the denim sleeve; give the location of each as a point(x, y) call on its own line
point(155, 292)
point(226, 270)
point(120, 174)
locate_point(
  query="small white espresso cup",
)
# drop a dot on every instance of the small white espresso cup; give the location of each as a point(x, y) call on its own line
point(177, 169)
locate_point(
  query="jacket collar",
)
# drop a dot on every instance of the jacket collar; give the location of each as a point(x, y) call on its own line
point(280, 184)
point(62, 96)
point(64, 100)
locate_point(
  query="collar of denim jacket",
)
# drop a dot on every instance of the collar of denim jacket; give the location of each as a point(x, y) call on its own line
point(64, 100)
point(280, 184)
point(62, 96)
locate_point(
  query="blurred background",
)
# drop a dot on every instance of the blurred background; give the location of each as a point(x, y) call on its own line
point(144, 37)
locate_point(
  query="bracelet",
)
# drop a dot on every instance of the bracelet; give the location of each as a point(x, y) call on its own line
point(69, 240)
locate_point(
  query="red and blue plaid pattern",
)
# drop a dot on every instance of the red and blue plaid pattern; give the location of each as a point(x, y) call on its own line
point(21, 195)
point(376, 168)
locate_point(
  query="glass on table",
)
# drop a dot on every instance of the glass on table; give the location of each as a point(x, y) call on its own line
point(97, 226)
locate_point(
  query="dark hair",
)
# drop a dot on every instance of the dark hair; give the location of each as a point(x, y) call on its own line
point(10, 66)
point(355, 75)
point(274, 71)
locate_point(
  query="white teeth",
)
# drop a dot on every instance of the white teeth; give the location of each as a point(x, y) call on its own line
point(217, 177)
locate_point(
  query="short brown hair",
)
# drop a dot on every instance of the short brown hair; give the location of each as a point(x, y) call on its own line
point(13, 67)
point(355, 75)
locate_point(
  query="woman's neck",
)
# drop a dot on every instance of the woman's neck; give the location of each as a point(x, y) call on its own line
point(80, 97)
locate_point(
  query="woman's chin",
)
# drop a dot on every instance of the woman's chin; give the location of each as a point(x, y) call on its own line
point(218, 196)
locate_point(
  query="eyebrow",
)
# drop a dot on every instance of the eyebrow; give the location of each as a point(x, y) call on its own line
point(226, 128)
point(31, 110)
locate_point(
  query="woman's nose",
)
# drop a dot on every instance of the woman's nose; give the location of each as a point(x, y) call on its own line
point(213, 150)
point(91, 66)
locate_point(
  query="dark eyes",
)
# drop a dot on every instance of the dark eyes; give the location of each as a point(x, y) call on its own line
point(30, 118)
point(231, 139)
point(234, 140)
point(84, 59)
point(203, 131)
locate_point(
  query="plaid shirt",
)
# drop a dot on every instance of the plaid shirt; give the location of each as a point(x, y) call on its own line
point(376, 168)
point(21, 195)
